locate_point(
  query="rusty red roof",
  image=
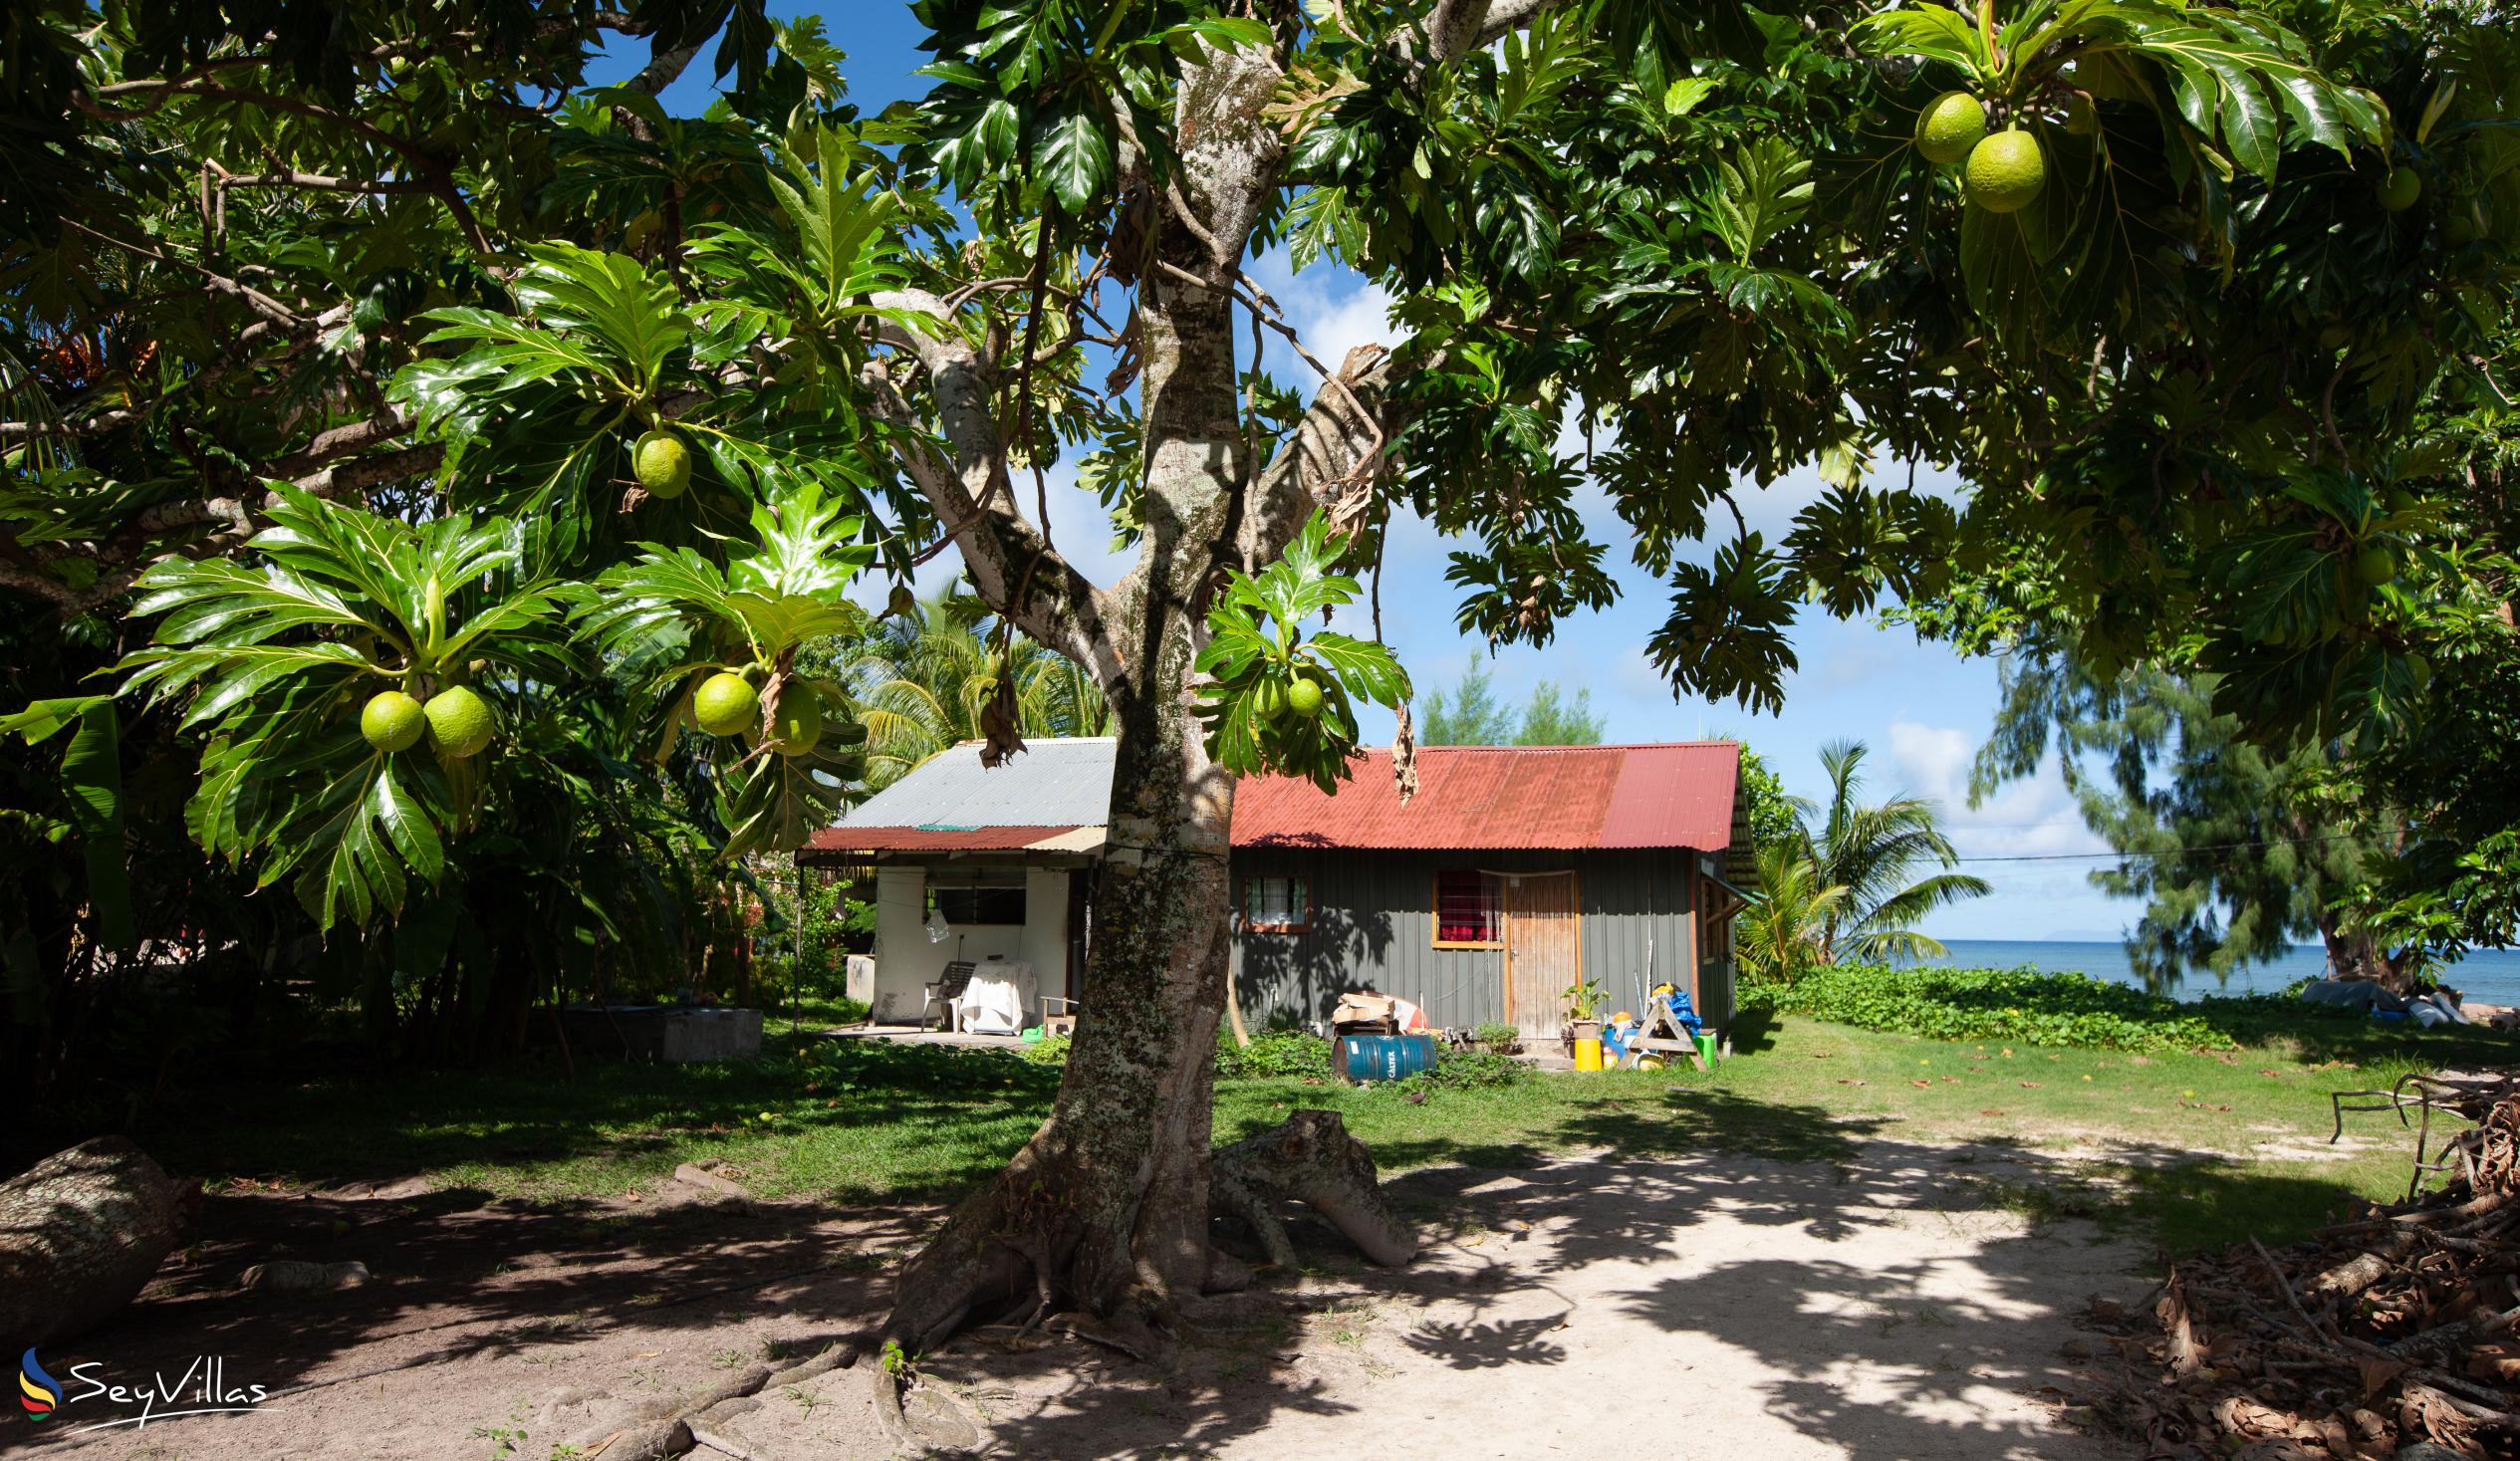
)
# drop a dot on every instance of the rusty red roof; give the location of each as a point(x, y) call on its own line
point(846, 838)
point(1676, 794)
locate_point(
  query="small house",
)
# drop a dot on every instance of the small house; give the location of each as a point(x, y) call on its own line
point(1513, 873)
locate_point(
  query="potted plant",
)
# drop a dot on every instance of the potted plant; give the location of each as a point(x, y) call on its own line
point(1584, 1000)
point(1499, 1039)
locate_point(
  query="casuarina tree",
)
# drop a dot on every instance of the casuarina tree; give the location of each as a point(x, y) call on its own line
point(701, 377)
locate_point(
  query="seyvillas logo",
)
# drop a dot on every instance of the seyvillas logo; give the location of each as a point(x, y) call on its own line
point(37, 1392)
point(199, 1388)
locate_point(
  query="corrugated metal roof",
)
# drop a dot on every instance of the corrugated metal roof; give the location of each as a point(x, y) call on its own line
point(956, 839)
point(1055, 783)
point(1673, 795)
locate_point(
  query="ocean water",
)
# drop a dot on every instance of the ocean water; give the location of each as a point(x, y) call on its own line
point(2490, 975)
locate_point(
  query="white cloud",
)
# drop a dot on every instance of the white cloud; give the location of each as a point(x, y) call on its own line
point(2034, 817)
point(1333, 326)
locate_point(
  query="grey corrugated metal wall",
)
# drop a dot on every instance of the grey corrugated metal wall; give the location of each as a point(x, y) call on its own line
point(1372, 917)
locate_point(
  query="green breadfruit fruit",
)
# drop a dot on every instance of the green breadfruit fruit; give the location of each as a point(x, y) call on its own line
point(392, 721)
point(459, 722)
point(662, 464)
point(2006, 171)
point(798, 727)
point(1949, 126)
point(726, 705)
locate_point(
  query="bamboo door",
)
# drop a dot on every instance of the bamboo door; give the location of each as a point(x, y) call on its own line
point(1544, 950)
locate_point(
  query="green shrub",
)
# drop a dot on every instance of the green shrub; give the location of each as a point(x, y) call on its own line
point(883, 1066)
point(1468, 1070)
point(2025, 1006)
point(1051, 1050)
point(1277, 1054)
point(1498, 1034)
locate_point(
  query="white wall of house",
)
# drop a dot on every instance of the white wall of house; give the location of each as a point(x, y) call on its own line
point(1045, 943)
point(905, 961)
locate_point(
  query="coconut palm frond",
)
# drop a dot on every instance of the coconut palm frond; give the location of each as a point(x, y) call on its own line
point(1873, 852)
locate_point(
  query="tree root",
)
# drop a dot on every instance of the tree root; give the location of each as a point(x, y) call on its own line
point(661, 1432)
point(917, 1435)
point(1311, 1158)
point(980, 1266)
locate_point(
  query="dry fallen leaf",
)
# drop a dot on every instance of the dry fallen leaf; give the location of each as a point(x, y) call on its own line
point(1920, 1082)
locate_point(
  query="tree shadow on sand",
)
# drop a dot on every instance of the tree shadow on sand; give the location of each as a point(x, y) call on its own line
point(1883, 1298)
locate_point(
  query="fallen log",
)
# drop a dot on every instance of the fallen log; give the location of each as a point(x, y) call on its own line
point(79, 1233)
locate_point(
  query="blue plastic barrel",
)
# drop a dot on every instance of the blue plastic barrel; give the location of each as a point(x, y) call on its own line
point(1358, 1059)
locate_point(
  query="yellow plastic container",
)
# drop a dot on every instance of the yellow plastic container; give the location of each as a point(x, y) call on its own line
point(1588, 1055)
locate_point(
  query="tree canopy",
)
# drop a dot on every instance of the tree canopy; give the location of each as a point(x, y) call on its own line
point(388, 352)
point(2238, 851)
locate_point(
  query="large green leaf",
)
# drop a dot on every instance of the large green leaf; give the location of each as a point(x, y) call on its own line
point(92, 779)
point(1072, 157)
point(1257, 648)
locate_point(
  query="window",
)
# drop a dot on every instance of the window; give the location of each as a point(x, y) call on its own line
point(1469, 910)
point(968, 906)
point(1276, 905)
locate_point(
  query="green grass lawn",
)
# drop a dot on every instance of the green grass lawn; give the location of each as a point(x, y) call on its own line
point(857, 1120)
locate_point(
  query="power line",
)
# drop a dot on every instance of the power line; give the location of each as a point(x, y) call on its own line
point(2281, 842)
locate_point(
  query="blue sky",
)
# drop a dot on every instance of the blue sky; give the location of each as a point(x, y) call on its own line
point(1922, 710)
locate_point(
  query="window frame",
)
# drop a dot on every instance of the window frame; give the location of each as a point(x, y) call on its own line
point(1021, 888)
point(1302, 886)
point(1435, 921)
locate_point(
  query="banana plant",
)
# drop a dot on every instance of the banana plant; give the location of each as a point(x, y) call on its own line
point(784, 746)
point(1277, 700)
point(344, 680)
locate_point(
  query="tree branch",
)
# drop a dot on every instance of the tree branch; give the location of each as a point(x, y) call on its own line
point(1458, 27)
point(1335, 452)
point(974, 500)
point(318, 182)
point(102, 421)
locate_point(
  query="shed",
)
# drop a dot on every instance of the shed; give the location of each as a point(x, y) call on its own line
point(970, 862)
point(1512, 873)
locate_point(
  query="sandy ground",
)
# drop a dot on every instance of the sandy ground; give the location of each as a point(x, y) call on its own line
point(1879, 1307)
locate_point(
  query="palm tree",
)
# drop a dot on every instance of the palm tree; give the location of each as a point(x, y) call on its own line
point(922, 678)
point(1868, 853)
point(1782, 934)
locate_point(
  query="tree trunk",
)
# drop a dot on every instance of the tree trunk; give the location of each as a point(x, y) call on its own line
point(2356, 954)
point(1106, 1206)
point(79, 1233)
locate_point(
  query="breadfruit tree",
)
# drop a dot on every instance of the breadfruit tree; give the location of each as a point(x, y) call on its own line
point(694, 374)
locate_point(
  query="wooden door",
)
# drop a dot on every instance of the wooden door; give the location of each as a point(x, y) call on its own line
point(1544, 950)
